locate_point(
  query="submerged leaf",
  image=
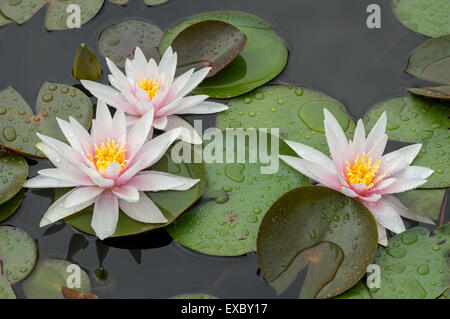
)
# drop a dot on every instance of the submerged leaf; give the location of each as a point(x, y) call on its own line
point(425, 202)
point(13, 174)
point(439, 92)
point(86, 66)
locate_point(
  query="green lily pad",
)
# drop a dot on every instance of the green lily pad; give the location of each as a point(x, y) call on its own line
point(297, 111)
point(18, 253)
point(429, 17)
point(86, 66)
point(120, 2)
point(228, 225)
point(154, 2)
point(358, 291)
point(440, 92)
point(6, 292)
point(315, 226)
point(263, 57)
point(426, 202)
point(13, 174)
point(118, 41)
point(419, 120)
point(171, 203)
point(414, 265)
point(10, 207)
point(431, 61)
point(56, 19)
point(4, 20)
point(20, 125)
point(49, 276)
point(194, 296)
point(445, 295)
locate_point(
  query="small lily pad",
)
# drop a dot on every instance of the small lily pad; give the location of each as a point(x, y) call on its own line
point(263, 57)
point(86, 66)
point(358, 291)
point(20, 125)
point(154, 2)
point(13, 174)
point(120, 2)
point(209, 43)
point(48, 278)
point(18, 253)
point(315, 226)
point(6, 292)
point(4, 20)
point(439, 92)
point(426, 202)
point(194, 296)
point(429, 17)
point(10, 207)
point(118, 41)
point(418, 120)
point(228, 224)
point(431, 61)
point(414, 265)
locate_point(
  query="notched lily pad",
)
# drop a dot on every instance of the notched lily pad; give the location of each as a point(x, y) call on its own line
point(11, 206)
point(426, 202)
point(13, 174)
point(418, 120)
point(414, 265)
point(209, 43)
point(118, 41)
point(86, 66)
point(18, 253)
point(439, 92)
point(314, 226)
point(20, 125)
point(6, 292)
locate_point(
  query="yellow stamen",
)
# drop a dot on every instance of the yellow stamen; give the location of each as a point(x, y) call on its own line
point(363, 171)
point(150, 86)
point(107, 153)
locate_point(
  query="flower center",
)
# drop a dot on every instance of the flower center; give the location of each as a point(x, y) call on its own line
point(362, 171)
point(107, 153)
point(150, 86)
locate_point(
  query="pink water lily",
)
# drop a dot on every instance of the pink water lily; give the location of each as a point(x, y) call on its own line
point(106, 168)
point(359, 170)
point(148, 87)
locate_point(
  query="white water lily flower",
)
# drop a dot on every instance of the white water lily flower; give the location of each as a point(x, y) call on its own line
point(359, 170)
point(106, 169)
point(150, 87)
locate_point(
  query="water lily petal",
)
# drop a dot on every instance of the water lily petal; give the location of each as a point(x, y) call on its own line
point(53, 156)
point(414, 172)
point(144, 210)
point(407, 153)
point(121, 82)
point(160, 123)
point(405, 212)
point(47, 182)
point(179, 105)
point(154, 181)
point(139, 133)
point(358, 145)
point(112, 171)
point(188, 134)
point(82, 135)
point(106, 215)
point(139, 65)
point(67, 130)
point(130, 171)
point(386, 215)
point(382, 236)
point(312, 155)
point(81, 195)
point(127, 192)
point(67, 175)
point(204, 107)
point(377, 131)
point(337, 141)
point(378, 148)
point(402, 185)
point(194, 81)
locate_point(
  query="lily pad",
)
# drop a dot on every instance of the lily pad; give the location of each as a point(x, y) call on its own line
point(297, 111)
point(18, 253)
point(10, 207)
point(154, 2)
point(431, 61)
point(439, 92)
point(13, 174)
point(70, 293)
point(194, 296)
point(4, 20)
point(171, 203)
point(48, 278)
point(209, 43)
point(263, 57)
point(228, 225)
point(120, 2)
point(118, 41)
point(414, 265)
point(6, 292)
point(56, 19)
point(358, 291)
point(419, 120)
point(20, 125)
point(315, 226)
point(426, 202)
point(429, 17)
point(86, 66)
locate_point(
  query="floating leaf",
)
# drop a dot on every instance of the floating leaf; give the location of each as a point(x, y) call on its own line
point(429, 17)
point(194, 296)
point(298, 112)
point(445, 295)
point(10, 207)
point(209, 43)
point(228, 225)
point(4, 20)
point(426, 202)
point(440, 92)
point(171, 203)
point(48, 278)
point(70, 293)
point(120, 2)
point(6, 292)
point(57, 15)
point(154, 2)
point(13, 174)
point(315, 226)
point(18, 253)
point(358, 291)
point(86, 66)
point(418, 120)
point(118, 41)
point(263, 57)
point(20, 125)
point(431, 61)
point(414, 265)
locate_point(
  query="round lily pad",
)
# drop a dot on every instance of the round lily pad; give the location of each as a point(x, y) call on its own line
point(86, 66)
point(241, 194)
point(13, 174)
point(10, 207)
point(414, 265)
point(319, 228)
point(358, 291)
point(19, 124)
point(118, 41)
point(18, 253)
point(431, 61)
point(296, 111)
point(263, 57)
point(6, 292)
point(439, 92)
point(4, 20)
point(419, 120)
point(171, 203)
point(194, 296)
point(429, 17)
point(425, 202)
point(48, 278)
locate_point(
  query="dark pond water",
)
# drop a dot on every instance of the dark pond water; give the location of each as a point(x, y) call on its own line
point(331, 50)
